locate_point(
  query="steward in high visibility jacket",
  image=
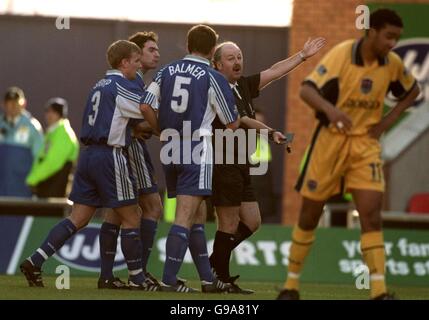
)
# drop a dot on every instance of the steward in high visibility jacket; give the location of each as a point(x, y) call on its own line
point(49, 174)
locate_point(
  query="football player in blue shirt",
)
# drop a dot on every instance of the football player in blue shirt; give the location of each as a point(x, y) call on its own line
point(188, 94)
point(142, 170)
point(102, 178)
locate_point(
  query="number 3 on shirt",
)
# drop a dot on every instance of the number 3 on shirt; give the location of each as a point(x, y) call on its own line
point(179, 92)
point(95, 102)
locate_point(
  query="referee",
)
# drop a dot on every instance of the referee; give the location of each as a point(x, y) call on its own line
point(233, 196)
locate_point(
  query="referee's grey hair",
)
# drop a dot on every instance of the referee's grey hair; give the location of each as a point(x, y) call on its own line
point(218, 51)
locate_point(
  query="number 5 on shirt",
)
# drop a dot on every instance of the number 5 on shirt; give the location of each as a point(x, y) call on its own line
point(182, 93)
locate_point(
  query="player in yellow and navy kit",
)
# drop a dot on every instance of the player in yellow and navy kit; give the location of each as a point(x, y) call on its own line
point(347, 91)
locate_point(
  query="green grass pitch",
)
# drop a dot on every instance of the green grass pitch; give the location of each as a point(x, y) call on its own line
point(15, 287)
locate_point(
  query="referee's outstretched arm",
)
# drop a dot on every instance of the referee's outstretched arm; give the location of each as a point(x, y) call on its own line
point(281, 68)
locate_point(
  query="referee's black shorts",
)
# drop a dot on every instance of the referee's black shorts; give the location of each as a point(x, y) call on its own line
point(231, 185)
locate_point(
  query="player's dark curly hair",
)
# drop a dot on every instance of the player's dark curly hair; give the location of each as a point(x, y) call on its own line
point(140, 38)
point(381, 17)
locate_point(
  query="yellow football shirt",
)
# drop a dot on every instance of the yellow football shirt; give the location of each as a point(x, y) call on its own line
point(356, 88)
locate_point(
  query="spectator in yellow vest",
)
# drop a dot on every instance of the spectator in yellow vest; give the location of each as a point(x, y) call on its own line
point(49, 174)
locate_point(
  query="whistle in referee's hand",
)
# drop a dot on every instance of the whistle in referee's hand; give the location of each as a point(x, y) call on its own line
point(289, 138)
point(286, 142)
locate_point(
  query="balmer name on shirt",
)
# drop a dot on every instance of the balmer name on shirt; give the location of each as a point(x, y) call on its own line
point(191, 69)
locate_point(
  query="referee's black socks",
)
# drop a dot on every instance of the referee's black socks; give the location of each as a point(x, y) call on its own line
point(223, 245)
point(243, 232)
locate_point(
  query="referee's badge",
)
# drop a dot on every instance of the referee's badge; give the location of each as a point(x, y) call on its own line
point(366, 85)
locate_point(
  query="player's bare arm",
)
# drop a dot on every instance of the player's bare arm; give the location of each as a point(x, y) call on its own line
point(281, 68)
point(142, 130)
point(233, 125)
point(377, 130)
point(313, 98)
point(150, 116)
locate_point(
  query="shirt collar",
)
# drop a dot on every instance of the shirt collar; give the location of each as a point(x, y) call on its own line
point(357, 58)
point(195, 58)
point(233, 85)
point(140, 73)
point(114, 72)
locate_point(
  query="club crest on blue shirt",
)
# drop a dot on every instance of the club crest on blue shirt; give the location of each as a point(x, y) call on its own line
point(366, 86)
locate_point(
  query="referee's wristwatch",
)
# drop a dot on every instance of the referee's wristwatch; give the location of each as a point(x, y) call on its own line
point(302, 56)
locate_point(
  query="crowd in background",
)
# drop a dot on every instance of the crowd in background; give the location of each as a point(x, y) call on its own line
point(35, 162)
